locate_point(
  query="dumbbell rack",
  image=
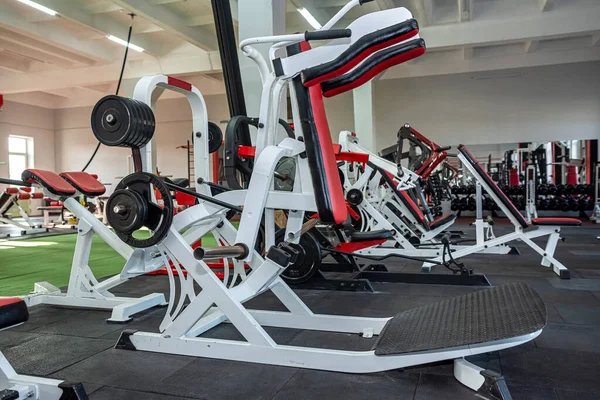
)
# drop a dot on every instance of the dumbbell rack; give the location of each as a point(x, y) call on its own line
point(596, 213)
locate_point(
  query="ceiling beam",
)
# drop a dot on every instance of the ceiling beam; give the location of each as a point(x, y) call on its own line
point(547, 5)
point(14, 64)
point(577, 22)
point(103, 7)
point(467, 53)
point(596, 40)
point(314, 8)
point(170, 21)
point(531, 46)
point(159, 2)
point(106, 74)
point(35, 44)
point(465, 10)
point(56, 35)
point(71, 9)
point(35, 54)
point(200, 20)
point(40, 99)
point(457, 65)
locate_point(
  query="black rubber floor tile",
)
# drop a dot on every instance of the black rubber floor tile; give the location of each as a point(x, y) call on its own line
point(49, 353)
point(227, 331)
point(91, 323)
point(11, 338)
point(310, 384)
point(564, 296)
point(330, 340)
point(532, 393)
point(435, 387)
point(576, 395)
point(577, 314)
point(109, 393)
point(552, 368)
point(44, 315)
point(135, 370)
point(552, 314)
point(226, 380)
point(147, 323)
point(570, 337)
point(446, 367)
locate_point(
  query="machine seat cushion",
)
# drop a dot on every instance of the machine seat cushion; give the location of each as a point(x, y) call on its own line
point(359, 50)
point(50, 181)
point(493, 186)
point(371, 235)
point(484, 316)
point(13, 311)
point(556, 221)
point(84, 183)
point(373, 66)
point(441, 220)
point(181, 182)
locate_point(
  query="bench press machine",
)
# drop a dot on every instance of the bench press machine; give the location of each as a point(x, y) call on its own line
point(505, 316)
point(14, 386)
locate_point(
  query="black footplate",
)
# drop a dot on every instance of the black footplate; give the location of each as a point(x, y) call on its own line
point(501, 312)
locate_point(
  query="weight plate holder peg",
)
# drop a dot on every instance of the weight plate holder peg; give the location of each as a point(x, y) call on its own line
point(131, 207)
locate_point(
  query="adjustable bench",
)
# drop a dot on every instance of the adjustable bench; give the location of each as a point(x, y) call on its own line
point(523, 231)
point(13, 386)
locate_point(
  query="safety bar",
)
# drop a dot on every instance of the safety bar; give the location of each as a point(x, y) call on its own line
point(238, 251)
point(14, 182)
point(206, 198)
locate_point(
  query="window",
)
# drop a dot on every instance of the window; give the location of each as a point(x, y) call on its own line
point(20, 155)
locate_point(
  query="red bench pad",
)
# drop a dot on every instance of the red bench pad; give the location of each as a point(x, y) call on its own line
point(13, 311)
point(49, 180)
point(556, 222)
point(84, 183)
point(441, 220)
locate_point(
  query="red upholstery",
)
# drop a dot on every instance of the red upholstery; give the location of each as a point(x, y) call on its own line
point(372, 68)
point(360, 50)
point(13, 311)
point(556, 222)
point(49, 180)
point(24, 196)
point(11, 190)
point(25, 189)
point(84, 183)
point(441, 220)
point(37, 195)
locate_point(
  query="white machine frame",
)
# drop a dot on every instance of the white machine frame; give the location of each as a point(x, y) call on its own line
point(28, 229)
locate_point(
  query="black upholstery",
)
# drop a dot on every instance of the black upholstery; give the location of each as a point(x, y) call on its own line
point(13, 311)
point(370, 64)
point(371, 235)
point(488, 180)
point(367, 44)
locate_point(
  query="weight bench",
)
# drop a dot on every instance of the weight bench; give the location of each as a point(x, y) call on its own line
point(525, 232)
point(13, 386)
point(84, 289)
point(10, 198)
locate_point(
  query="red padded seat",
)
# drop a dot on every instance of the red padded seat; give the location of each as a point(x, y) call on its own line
point(556, 222)
point(48, 180)
point(441, 220)
point(13, 311)
point(85, 183)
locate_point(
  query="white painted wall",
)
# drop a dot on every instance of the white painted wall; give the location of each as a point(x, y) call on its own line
point(544, 104)
point(75, 141)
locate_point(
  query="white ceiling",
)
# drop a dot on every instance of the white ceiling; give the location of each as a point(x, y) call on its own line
point(66, 60)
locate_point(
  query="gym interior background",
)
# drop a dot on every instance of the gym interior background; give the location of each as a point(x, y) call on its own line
point(500, 76)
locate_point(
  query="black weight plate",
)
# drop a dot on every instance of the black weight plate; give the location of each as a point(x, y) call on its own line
point(137, 123)
point(111, 135)
point(286, 166)
point(215, 137)
point(134, 215)
point(298, 273)
point(149, 123)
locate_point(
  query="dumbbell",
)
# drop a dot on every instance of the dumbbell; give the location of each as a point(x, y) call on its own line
point(589, 190)
point(573, 206)
point(542, 189)
point(580, 189)
point(553, 204)
point(563, 205)
point(570, 189)
point(552, 189)
point(462, 204)
point(471, 204)
point(560, 189)
point(583, 204)
point(454, 205)
point(543, 204)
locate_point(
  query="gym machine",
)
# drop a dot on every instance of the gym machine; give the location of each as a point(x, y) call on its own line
point(401, 340)
point(10, 199)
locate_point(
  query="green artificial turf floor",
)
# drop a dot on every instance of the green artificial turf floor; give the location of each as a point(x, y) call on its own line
point(24, 262)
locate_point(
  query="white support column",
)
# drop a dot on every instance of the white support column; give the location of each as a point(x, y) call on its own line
point(364, 115)
point(258, 18)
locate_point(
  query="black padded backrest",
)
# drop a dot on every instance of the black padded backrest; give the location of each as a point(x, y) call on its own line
point(493, 185)
point(329, 194)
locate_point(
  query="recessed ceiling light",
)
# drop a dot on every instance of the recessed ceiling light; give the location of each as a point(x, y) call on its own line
point(309, 18)
point(39, 7)
point(124, 43)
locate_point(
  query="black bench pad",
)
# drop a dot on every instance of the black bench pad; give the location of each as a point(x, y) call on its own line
point(501, 312)
point(371, 235)
point(13, 311)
